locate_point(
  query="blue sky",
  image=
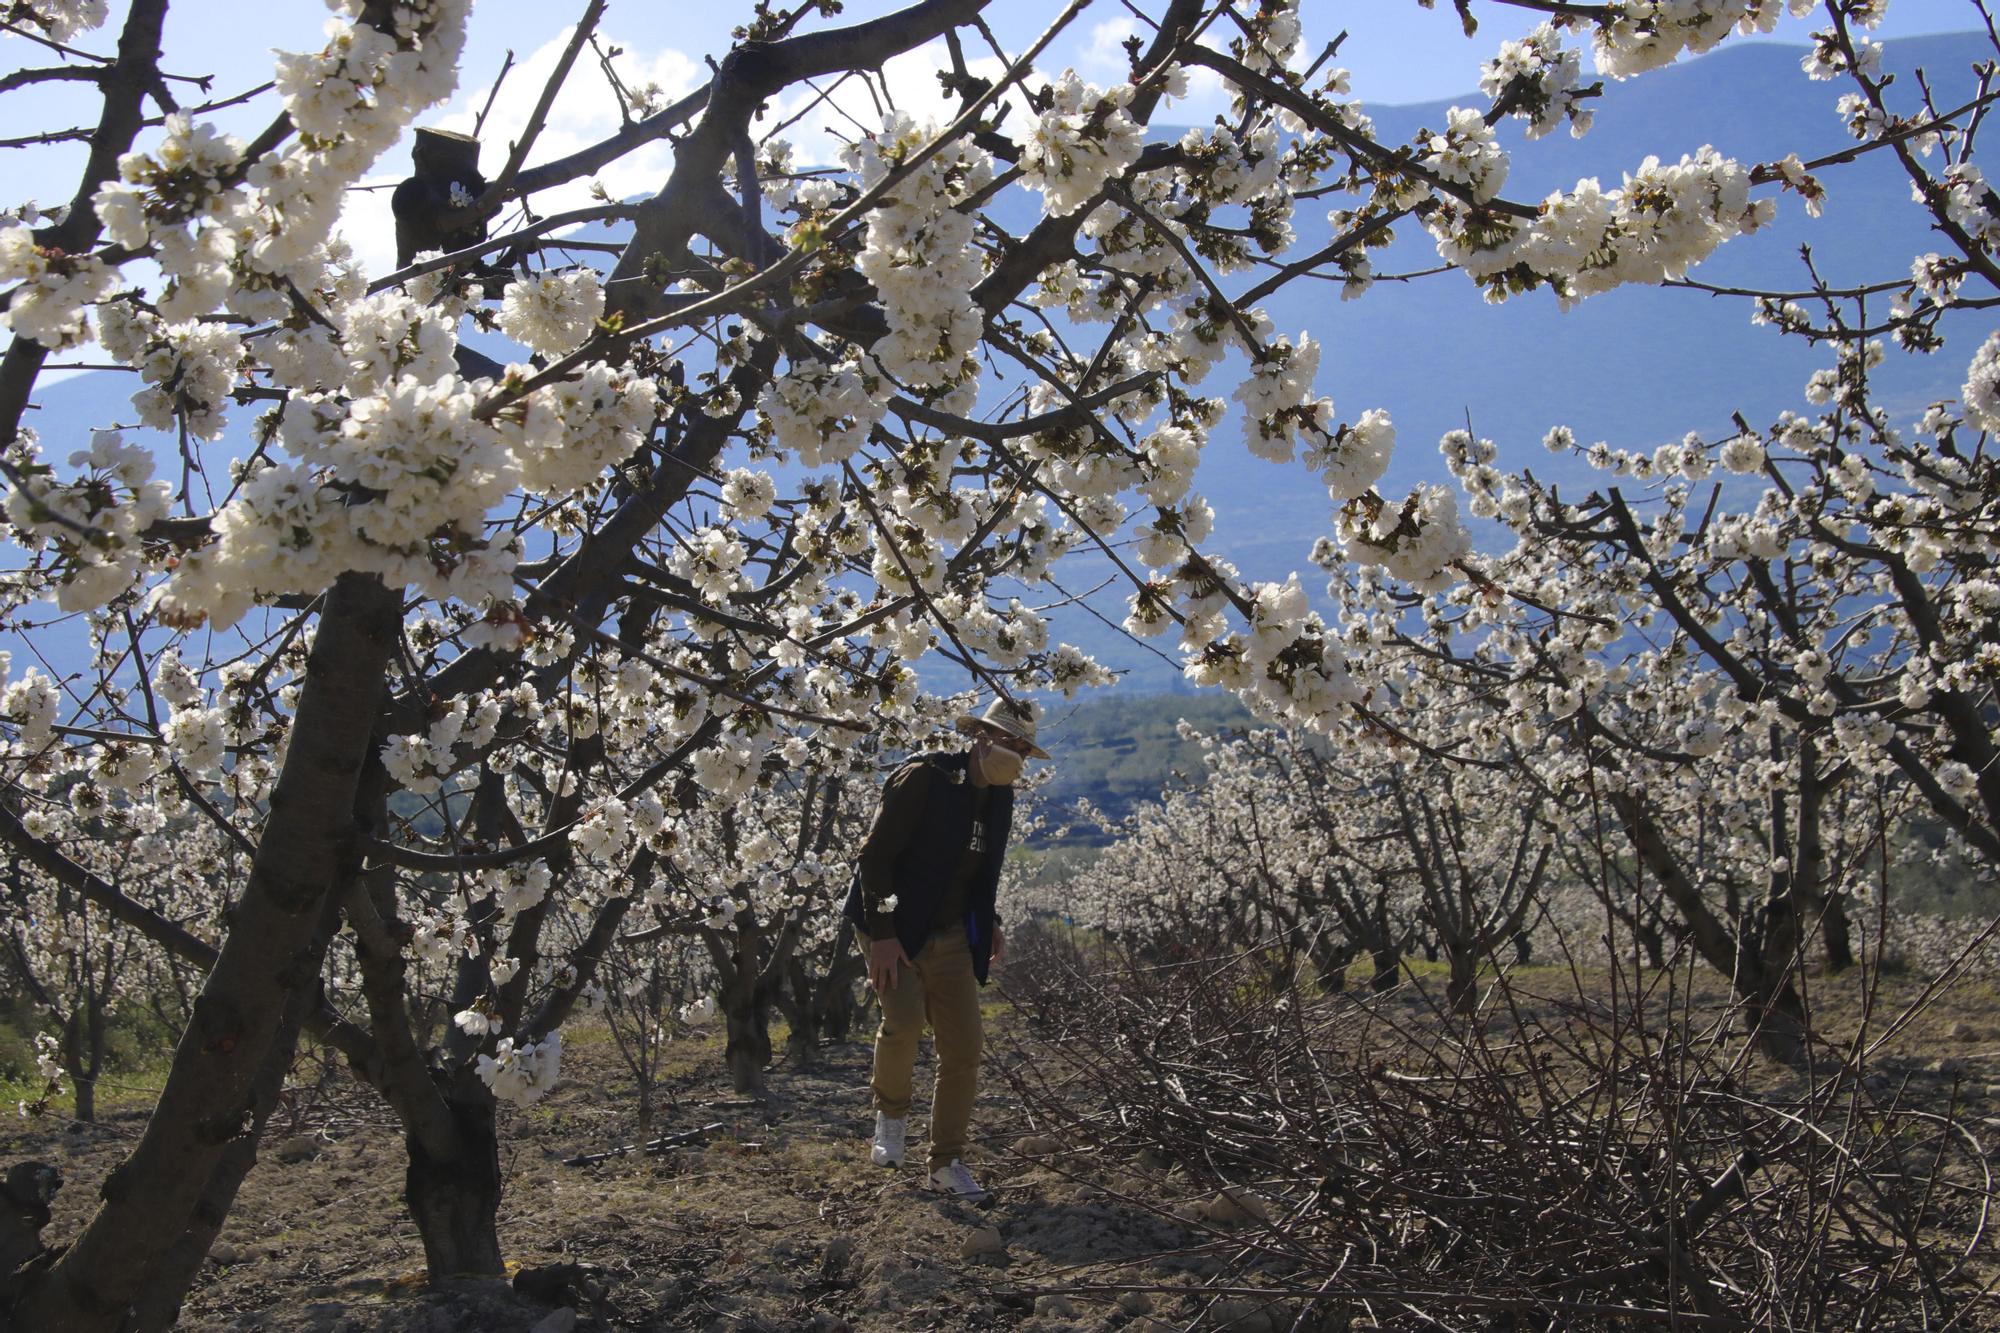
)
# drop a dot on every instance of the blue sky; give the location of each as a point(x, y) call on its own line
point(1398, 50)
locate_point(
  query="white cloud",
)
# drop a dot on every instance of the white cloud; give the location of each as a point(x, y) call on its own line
point(1105, 57)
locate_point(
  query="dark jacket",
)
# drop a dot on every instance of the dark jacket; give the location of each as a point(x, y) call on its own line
point(919, 836)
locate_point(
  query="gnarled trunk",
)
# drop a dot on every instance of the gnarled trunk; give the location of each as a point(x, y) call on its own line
point(243, 1017)
point(749, 1048)
point(159, 1306)
point(454, 1197)
point(1330, 958)
point(1777, 1016)
point(1461, 989)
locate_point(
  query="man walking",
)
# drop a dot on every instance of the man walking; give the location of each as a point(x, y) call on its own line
point(923, 904)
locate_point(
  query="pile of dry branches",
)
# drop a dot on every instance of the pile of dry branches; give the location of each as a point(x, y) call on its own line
point(1603, 1158)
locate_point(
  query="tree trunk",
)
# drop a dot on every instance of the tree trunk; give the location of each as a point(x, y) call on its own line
point(836, 1010)
point(802, 1045)
point(455, 1199)
point(1388, 969)
point(83, 1055)
point(1330, 962)
point(1836, 933)
point(749, 1049)
point(1769, 940)
point(834, 1007)
point(797, 1002)
point(159, 1305)
point(1461, 990)
point(1283, 975)
point(1777, 1016)
point(1653, 943)
point(241, 1018)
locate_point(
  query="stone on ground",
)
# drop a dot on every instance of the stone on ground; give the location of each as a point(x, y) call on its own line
point(984, 1243)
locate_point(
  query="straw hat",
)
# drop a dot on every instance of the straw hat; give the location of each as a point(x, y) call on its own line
point(1014, 719)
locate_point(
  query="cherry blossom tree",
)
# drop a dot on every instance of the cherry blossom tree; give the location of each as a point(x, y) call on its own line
point(460, 649)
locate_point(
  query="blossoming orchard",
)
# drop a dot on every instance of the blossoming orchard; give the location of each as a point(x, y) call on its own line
point(418, 657)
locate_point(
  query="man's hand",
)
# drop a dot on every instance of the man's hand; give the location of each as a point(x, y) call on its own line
point(999, 945)
point(883, 958)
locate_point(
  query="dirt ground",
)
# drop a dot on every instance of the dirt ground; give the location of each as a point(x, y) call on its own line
point(776, 1221)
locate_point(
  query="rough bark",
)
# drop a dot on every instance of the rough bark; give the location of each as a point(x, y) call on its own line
point(159, 1306)
point(747, 1023)
point(1461, 987)
point(1388, 969)
point(241, 1017)
point(454, 1196)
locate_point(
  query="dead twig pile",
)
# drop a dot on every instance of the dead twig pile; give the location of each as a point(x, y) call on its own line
point(1575, 1162)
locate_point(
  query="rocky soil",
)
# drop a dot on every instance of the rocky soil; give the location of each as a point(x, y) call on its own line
point(774, 1219)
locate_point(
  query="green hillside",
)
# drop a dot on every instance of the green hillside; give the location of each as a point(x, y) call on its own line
point(1119, 750)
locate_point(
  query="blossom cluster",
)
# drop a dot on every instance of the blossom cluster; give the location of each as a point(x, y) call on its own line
point(60, 19)
point(918, 253)
point(522, 1074)
point(1662, 221)
point(1638, 37)
point(91, 524)
point(50, 304)
point(1082, 140)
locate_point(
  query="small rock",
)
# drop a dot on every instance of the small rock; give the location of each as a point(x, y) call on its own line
point(559, 1321)
point(1037, 1145)
point(1223, 1211)
point(839, 1253)
point(223, 1253)
point(549, 1284)
point(1238, 1315)
point(298, 1148)
point(985, 1243)
point(1135, 1302)
point(1946, 1067)
point(1055, 1306)
point(1235, 1206)
point(1959, 1031)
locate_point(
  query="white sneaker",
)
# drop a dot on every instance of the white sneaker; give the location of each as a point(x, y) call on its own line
point(889, 1134)
point(956, 1179)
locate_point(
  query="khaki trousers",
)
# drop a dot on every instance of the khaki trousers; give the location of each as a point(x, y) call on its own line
point(937, 988)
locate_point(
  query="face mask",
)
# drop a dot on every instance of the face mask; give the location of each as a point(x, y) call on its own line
point(1001, 766)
